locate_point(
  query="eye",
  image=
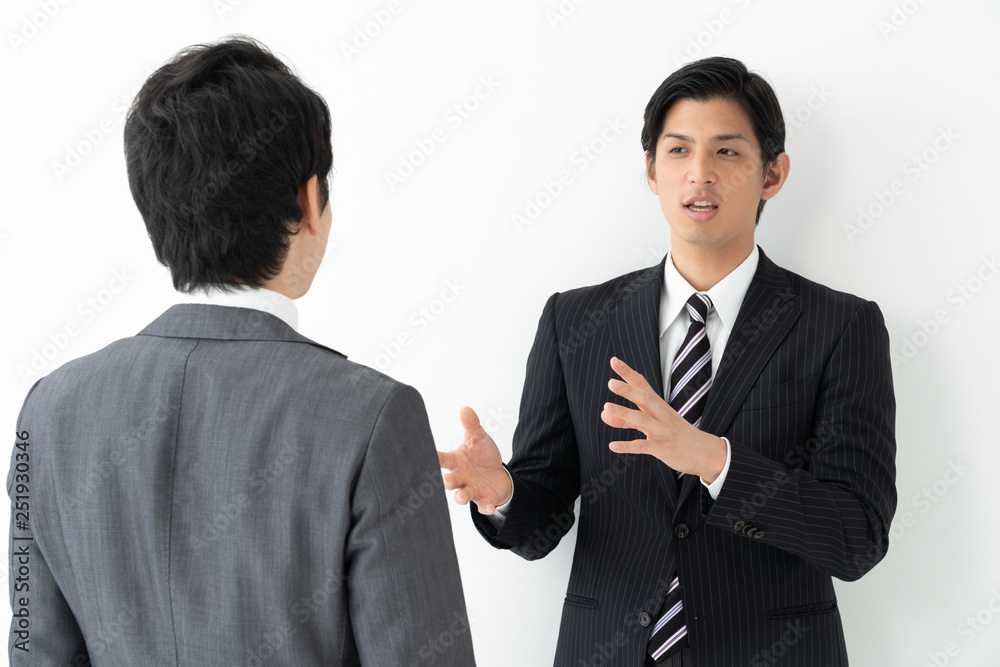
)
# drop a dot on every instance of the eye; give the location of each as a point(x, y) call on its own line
point(729, 151)
point(676, 149)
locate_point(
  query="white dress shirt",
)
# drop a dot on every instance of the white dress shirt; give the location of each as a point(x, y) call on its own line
point(244, 296)
point(727, 298)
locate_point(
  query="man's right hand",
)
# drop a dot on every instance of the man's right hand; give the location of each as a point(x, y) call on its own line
point(475, 469)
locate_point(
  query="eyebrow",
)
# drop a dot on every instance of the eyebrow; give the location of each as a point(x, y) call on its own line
point(717, 138)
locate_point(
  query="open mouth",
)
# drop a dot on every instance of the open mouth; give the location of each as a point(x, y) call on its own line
point(701, 206)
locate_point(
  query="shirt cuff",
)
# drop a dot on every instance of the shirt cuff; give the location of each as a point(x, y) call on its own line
point(497, 518)
point(715, 487)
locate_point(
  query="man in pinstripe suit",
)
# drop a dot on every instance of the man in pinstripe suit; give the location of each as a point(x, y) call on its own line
point(708, 535)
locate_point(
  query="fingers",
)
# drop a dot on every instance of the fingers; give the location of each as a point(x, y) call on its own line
point(462, 498)
point(627, 391)
point(619, 416)
point(457, 483)
point(630, 446)
point(470, 420)
point(447, 460)
point(635, 388)
point(630, 376)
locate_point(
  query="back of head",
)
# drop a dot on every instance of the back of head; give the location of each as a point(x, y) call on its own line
point(217, 144)
point(726, 78)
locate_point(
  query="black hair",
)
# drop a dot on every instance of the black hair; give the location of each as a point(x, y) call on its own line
point(726, 78)
point(218, 142)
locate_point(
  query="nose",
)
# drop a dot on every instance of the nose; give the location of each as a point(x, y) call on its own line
point(701, 169)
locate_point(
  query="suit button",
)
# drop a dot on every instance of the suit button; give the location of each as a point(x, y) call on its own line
point(750, 530)
point(759, 534)
point(738, 526)
point(644, 619)
point(681, 530)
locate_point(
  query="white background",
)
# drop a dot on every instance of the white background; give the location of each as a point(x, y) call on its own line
point(865, 86)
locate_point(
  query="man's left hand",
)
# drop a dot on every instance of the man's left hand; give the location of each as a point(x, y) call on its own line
point(669, 437)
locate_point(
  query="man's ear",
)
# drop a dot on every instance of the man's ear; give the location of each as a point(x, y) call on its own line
point(308, 200)
point(651, 174)
point(776, 176)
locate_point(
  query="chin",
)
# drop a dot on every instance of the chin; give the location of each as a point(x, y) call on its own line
point(693, 234)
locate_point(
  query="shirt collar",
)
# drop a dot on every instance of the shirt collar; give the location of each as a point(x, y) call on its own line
point(244, 296)
point(727, 294)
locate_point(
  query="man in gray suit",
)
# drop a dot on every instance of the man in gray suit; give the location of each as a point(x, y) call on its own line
point(219, 489)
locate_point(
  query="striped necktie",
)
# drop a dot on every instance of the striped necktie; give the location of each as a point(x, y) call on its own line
point(690, 380)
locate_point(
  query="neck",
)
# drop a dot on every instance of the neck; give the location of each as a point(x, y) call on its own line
point(703, 266)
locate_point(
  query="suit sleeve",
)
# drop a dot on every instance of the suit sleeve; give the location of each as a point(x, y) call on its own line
point(545, 464)
point(831, 502)
point(43, 629)
point(405, 592)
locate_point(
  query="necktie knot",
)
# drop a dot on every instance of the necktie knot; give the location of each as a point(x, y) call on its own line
point(698, 306)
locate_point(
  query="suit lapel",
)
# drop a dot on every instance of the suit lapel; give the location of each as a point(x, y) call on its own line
point(635, 339)
point(768, 312)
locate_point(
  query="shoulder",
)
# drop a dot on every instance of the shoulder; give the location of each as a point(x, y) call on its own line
point(825, 306)
point(293, 368)
point(322, 368)
point(81, 375)
point(607, 296)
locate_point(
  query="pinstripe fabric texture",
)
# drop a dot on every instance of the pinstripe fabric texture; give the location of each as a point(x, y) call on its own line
point(803, 392)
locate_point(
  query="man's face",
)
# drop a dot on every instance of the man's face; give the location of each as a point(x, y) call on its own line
point(708, 175)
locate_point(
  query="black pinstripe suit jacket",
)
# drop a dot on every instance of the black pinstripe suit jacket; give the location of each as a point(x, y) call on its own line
point(803, 392)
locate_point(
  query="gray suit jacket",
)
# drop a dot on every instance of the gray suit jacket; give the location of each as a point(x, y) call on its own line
point(219, 490)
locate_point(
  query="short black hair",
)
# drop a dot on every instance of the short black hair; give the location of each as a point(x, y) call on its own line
point(719, 77)
point(218, 142)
